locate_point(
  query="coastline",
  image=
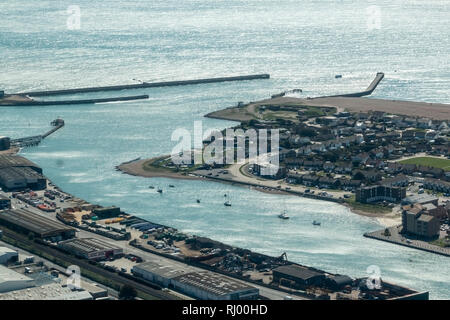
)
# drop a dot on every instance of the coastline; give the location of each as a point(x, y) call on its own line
point(135, 168)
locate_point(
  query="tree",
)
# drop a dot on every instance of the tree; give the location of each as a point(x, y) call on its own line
point(127, 292)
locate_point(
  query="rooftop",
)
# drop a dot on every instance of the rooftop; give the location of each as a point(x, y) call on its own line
point(213, 283)
point(52, 291)
point(33, 222)
point(88, 245)
point(7, 275)
point(168, 272)
point(298, 271)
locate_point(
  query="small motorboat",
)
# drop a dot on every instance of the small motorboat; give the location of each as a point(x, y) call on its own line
point(198, 200)
point(151, 187)
point(160, 190)
point(171, 186)
point(227, 204)
point(283, 216)
point(338, 76)
point(316, 223)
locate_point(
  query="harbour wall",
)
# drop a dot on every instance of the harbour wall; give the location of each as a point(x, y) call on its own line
point(144, 85)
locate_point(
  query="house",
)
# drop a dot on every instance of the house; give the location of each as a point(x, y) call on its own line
point(397, 181)
point(360, 158)
point(310, 180)
point(328, 183)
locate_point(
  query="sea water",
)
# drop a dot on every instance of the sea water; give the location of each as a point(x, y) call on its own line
point(302, 44)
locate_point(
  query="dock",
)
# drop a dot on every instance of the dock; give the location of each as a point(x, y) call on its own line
point(143, 85)
point(396, 238)
point(36, 140)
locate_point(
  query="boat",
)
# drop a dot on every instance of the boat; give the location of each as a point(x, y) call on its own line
point(160, 190)
point(228, 202)
point(316, 223)
point(171, 186)
point(151, 187)
point(198, 200)
point(283, 216)
point(338, 76)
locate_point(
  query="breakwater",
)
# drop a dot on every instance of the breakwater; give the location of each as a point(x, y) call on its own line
point(66, 102)
point(144, 85)
point(372, 86)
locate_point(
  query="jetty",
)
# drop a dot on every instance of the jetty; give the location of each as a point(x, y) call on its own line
point(143, 85)
point(35, 140)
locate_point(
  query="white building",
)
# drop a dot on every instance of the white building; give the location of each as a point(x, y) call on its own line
point(53, 291)
point(11, 280)
point(7, 255)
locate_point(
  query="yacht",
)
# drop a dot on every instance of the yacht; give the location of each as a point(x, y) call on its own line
point(283, 216)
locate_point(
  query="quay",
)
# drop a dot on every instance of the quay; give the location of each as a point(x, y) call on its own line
point(143, 85)
point(396, 238)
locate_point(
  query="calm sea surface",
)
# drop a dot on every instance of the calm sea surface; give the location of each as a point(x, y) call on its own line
point(302, 44)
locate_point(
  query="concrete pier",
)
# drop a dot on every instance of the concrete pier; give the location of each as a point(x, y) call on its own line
point(32, 102)
point(143, 85)
point(373, 85)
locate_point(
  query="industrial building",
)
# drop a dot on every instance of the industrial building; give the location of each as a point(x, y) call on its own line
point(8, 255)
point(159, 274)
point(5, 143)
point(296, 276)
point(26, 221)
point(91, 248)
point(53, 291)
point(11, 280)
point(207, 285)
point(5, 202)
point(204, 285)
point(19, 173)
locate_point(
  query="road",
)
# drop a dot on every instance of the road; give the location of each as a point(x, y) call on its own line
point(272, 294)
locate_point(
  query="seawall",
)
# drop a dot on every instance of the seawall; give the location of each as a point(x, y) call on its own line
point(144, 85)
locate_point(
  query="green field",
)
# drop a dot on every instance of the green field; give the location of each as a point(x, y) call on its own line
point(430, 162)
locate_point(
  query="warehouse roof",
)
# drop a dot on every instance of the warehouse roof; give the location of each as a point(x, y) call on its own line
point(7, 275)
point(168, 272)
point(213, 283)
point(88, 245)
point(52, 291)
point(298, 272)
point(4, 250)
point(16, 161)
point(33, 222)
